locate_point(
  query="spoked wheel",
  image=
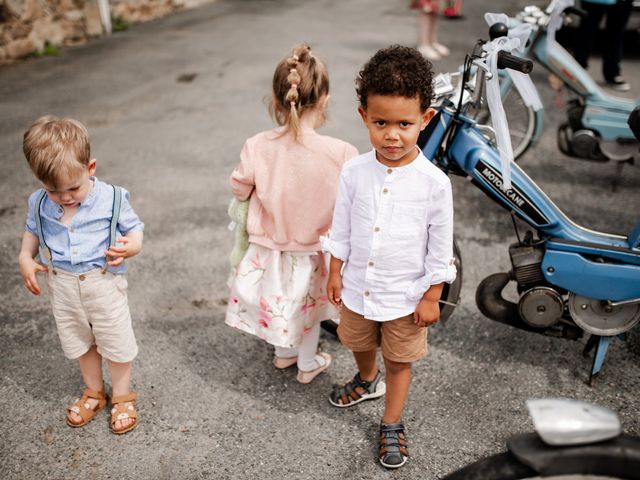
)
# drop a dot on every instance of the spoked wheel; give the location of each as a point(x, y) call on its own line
point(522, 121)
point(448, 299)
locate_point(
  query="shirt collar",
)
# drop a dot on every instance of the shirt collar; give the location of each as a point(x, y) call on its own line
point(92, 195)
point(404, 168)
point(56, 211)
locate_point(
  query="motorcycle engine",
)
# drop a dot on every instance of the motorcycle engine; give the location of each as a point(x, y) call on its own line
point(575, 140)
point(526, 261)
point(540, 306)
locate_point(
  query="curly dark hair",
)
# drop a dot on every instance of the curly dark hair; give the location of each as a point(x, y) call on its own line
point(396, 70)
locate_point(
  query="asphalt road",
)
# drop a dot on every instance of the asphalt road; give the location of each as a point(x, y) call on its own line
point(168, 105)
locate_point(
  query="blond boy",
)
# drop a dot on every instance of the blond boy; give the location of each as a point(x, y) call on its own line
point(70, 225)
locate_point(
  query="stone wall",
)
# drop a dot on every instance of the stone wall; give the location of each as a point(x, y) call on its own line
point(28, 26)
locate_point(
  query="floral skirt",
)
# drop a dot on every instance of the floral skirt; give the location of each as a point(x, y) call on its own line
point(278, 296)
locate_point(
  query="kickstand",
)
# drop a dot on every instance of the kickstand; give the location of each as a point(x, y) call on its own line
point(601, 351)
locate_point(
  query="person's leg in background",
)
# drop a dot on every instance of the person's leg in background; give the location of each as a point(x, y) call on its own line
point(587, 31)
point(617, 18)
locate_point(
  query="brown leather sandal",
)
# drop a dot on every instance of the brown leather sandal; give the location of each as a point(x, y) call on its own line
point(120, 411)
point(81, 407)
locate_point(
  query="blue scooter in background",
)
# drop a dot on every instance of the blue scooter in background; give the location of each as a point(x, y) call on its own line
point(570, 280)
point(596, 127)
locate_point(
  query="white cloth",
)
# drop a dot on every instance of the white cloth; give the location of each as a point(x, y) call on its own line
point(513, 43)
point(522, 81)
point(393, 227)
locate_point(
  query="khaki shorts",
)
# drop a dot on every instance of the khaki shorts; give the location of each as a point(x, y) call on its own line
point(92, 309)
point(400, 340)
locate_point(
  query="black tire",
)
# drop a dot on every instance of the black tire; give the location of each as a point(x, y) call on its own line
point(502, 466)
point(451, 291)
point(450, 294)
point(617, 458)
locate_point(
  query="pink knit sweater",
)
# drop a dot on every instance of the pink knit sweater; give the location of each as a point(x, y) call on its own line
point(295, 187)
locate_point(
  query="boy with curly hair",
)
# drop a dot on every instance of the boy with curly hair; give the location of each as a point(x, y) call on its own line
point(391, 241)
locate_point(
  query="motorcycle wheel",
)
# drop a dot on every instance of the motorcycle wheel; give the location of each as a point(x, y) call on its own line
point(522, 120)
point(448, 299)
point(504, 466)
point(617, 459)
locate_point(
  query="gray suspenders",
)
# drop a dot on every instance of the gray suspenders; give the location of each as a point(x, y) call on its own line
point(115, 214)
point(45, 248)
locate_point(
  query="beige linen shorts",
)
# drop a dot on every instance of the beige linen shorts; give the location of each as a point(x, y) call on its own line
point(400, 340)
point(92, 309)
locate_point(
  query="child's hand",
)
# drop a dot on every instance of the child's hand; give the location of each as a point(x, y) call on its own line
point(28, 269)
point(131, 246)
point(334, 289)
point(427, 313)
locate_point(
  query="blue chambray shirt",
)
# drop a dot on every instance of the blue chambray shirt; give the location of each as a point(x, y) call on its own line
point(79, 246)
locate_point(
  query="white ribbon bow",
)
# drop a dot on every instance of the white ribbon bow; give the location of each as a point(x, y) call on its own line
point(523, 82)
point(514, 42)
point(555, 18)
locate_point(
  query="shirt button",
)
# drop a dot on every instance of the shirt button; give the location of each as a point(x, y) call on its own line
point(389, 170)
point(75, 252)
point(371, 264)
point(385, 190)
point(366, 293)
point(82, 277)
point(71, 229)
point(377, 229)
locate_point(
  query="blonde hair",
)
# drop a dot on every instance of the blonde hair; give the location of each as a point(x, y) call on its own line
point(299, 84)
point(56, 148)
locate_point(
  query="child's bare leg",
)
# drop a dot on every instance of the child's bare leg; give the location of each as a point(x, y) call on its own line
point(121, 381)
point(367, 365)
point(91, 369)
point(433, 37)
point(427, 23)
point(424, 26)
point(398, 378)
point(432, 29)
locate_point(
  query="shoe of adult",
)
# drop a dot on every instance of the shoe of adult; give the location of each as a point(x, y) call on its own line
point(618, 83)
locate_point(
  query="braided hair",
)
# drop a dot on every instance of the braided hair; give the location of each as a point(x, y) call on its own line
point(300, 81)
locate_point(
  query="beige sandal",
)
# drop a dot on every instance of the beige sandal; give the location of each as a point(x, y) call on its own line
point(120, 411)
point(81, 407)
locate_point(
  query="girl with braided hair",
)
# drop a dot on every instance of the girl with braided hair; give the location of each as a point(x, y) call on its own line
point(290, 176)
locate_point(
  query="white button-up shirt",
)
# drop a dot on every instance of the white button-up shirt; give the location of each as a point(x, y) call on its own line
point(393, 228)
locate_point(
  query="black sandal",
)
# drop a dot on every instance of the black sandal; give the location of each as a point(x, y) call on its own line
point(393, 445)
point(357, 390)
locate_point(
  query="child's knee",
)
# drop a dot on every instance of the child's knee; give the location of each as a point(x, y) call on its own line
point(391, 366)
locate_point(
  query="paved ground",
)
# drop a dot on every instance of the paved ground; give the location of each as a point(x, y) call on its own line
point(211, 404)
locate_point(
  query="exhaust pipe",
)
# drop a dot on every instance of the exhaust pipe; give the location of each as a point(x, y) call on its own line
point(490, 302)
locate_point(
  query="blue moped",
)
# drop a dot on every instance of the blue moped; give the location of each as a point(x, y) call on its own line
point(570, 280)
point(596, 126)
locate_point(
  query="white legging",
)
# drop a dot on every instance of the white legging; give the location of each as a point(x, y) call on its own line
point(306, 351)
